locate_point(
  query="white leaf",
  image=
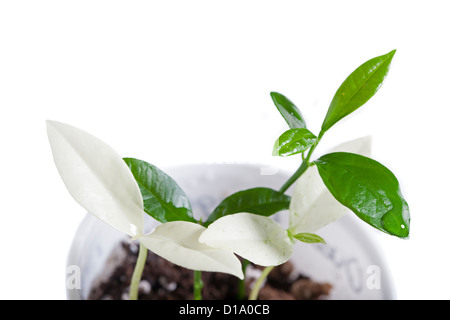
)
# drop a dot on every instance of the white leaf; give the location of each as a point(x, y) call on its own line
point(178, 242)
point(362, 146)
point(97, 177)
point(312, 205)
point(256, 238)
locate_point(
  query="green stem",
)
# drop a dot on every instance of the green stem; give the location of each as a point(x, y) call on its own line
point(295, 176)
point(198, 282)
point(198, 285)
point(137, 273)
point(241, 288)
point(259, 282)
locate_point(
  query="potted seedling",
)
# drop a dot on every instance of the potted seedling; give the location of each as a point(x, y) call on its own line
point(123, 191)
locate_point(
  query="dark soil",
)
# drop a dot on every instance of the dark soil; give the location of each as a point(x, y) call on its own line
point(162, 280)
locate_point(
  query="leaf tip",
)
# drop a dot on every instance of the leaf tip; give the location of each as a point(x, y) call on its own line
point(240, 275)
point(49, 124)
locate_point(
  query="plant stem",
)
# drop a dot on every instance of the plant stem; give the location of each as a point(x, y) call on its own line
point(198, 282)
point(259, 282)
point(198, 285)
point(297, 174)
point(241, 288)
point(137, 273)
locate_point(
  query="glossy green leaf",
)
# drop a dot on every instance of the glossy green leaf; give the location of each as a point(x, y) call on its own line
point(288, 110)
point(368, 188)
point(260, 201)
point(309, 238)
point(163, 199)
point(357, 89)
point(293, 141)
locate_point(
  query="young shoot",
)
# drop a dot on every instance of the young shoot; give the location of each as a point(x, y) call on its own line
point(326, 188)
point(121, 191)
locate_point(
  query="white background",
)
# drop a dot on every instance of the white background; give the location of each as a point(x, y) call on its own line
point(176, 82)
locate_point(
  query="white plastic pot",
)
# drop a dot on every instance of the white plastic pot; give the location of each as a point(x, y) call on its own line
point(350, 260)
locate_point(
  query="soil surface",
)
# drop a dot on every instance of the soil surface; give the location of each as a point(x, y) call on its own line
point(162, 280)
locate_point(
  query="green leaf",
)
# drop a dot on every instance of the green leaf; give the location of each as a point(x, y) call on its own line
point(288, 110)
point(368, 188)
point(357, 89)
point(260, 201)
point(309, 238)
point(163, 199)
point(293, 141)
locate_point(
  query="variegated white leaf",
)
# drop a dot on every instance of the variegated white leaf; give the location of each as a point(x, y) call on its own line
point(178, 242)
point(312, 205)
point(256, 238)
point(97, 177)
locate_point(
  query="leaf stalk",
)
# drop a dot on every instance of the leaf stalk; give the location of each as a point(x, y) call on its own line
point(258, 284)
point(137, 273)
point(198, 285)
